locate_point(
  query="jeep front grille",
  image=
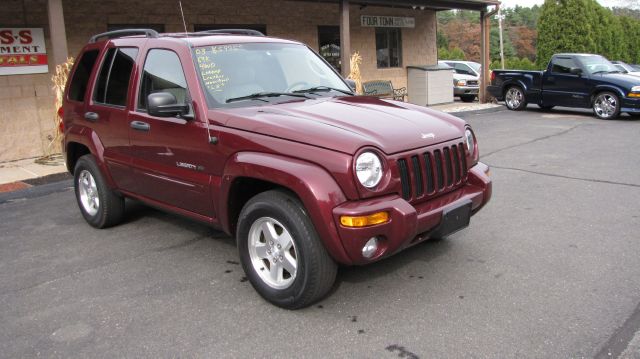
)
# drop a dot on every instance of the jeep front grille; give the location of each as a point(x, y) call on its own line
point(432, 172)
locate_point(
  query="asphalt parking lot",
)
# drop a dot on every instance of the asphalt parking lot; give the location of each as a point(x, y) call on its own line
point(549, 269)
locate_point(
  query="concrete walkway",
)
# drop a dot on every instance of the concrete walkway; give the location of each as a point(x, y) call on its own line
point(20, 174)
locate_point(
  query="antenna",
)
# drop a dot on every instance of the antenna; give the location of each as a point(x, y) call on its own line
point(186, 33)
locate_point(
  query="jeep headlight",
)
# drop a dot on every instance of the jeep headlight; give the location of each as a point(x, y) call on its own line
point(469, 140)
point(462, 82)
point(369, 169)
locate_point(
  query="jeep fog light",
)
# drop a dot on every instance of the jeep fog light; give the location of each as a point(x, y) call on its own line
point(370, 248)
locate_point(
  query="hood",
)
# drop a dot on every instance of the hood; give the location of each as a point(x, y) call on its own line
point(464, 77)
point(624, 80)
point(347, 124)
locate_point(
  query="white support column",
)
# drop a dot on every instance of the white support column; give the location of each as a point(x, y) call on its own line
point(57, 31)
point(345, 38)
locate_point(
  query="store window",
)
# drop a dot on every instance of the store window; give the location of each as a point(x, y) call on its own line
point(258, 27)
point(157, 27)
point(329, 45)
point(113, 81)
point(388, 47)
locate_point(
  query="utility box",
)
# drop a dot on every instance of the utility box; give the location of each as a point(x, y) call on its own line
point(430, 85)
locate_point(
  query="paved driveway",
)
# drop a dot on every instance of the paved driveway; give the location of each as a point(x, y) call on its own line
point(549, 269)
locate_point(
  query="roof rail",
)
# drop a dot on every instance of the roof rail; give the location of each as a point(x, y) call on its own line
point(233, 32)
point(125, 32)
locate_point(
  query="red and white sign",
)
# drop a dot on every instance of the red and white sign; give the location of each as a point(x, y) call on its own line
point(22, 51)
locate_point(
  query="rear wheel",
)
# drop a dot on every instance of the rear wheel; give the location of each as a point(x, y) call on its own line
point(606, 105)
point(100, 206)
point(281, 252)
point(468, 98)
point(514, 98)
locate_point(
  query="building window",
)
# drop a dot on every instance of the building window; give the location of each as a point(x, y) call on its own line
point(388, 47)
point(204, 27)
point(157, 27)
point(329, 45)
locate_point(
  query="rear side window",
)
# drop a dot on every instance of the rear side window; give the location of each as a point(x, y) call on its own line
point(78, 86)
point(563, 65)
point(162, 73)
point(113, 81)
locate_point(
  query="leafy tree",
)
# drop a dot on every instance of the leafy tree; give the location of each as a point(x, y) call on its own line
point(565, 26)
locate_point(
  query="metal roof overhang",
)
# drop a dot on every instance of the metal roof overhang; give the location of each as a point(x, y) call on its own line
point(477, 5)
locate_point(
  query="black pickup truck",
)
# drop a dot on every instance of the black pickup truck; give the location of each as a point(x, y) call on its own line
point(570, 80)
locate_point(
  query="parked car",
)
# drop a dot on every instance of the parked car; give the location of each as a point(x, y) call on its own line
point(571, 80)
point(626, 68)
point(466, 78)
point(262, 138)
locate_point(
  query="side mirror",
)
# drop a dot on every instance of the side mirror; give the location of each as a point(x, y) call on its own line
point(576, 71)
point(165, 104)
point(351, 83)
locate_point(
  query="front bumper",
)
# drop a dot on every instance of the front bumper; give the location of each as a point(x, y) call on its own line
point(630, 105)
point(408, 224)
point(461, 91)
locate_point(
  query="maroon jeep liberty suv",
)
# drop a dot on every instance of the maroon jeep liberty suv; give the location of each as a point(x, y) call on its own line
point(262, 138)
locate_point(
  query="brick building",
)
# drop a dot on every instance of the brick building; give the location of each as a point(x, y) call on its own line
point(389, 35)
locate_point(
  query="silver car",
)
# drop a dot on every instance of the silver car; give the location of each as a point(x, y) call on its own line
point(466, 78)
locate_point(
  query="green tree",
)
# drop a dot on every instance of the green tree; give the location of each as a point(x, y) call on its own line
point(566, 26)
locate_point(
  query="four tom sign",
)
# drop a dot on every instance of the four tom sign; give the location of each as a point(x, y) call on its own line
point(22, 51)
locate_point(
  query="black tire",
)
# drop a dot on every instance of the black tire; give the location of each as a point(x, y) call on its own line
point(109, 210)
point(515, 99)
point(546, 108)
point(315, 272)
point(468, 98)
point(606, 105)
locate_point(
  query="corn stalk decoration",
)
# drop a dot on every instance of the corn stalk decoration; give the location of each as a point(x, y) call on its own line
point(354, 73)
point(59, 80)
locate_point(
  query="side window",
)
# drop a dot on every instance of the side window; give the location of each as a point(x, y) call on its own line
point(562, 65)
point(162, 73)
point(78, 86)
point(113, 81)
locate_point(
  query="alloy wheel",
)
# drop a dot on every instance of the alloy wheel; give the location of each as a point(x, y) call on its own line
point(273, 253)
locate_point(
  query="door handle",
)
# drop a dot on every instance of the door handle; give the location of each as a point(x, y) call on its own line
point(91, 116)
point(140, 126)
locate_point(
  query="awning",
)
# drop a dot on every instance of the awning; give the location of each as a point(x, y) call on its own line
point(477, 5)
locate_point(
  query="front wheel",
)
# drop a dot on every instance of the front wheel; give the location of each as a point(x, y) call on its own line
point(606, 105)
point(514, 98)
point(468, 98)
point(281, 253)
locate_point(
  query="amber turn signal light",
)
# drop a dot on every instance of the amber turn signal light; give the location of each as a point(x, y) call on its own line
point(364, 221)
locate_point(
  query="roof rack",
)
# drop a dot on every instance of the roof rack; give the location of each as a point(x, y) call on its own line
point(232, 32)
point(125, 32)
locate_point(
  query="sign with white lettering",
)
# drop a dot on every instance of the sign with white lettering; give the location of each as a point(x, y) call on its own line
point(387, 21)
point(22, 51)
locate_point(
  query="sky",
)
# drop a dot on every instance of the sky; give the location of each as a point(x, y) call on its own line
point(512, 3)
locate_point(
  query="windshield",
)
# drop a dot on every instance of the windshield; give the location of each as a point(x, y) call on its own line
point(263, 72)
point(597, 64)
point(475, 66)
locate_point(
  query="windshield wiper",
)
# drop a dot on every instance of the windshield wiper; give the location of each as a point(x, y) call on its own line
point(323, 89)
point(258, 95)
